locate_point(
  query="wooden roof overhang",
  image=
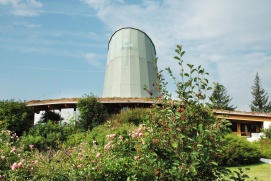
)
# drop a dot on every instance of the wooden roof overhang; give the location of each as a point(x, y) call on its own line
point(242, 116)
point(110, 103)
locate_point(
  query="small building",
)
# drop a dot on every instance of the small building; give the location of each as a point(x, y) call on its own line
point(246, 124)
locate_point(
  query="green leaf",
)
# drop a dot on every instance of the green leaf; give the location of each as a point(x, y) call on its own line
point(193, 71)
point(177, 58)
point(200, 128)
point(175, 144)
point(186, 74)
point(214, 163)
point(181, 136)
point(190, 66)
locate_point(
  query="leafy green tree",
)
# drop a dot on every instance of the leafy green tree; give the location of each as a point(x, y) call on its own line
point(220, 99)
point(260, 102)
point(186, 140)
point(91, 111)
point(15, 116)
point(50, 115)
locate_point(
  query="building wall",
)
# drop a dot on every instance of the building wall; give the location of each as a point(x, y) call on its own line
point(130, 65)
point(266, 124)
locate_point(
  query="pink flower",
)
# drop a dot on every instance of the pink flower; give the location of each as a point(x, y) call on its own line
point(109, 146)
point(137, 157)
point(14, 166)
point(98, 155)
point(3, 157)
point(19, 155)
point(79, 166)
point(120, 138)
point(31, 147)
point(20, 164)
point(141, 134)
point(111, 136)
point(142, 126)
point(13, 149)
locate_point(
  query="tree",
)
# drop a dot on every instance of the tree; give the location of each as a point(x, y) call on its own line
point(220, 99)
point(260, 102)
point(91, 111)
point(15, 116)
point(50, 115)
point(186, 141)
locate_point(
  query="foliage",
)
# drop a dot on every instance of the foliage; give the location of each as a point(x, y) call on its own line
point(8, 149)
point(134, 115)
point(240, 175)
point(267, 132)
point(45, 136)
point(50, 115)
point(239, 151)
point(15, 116)
point(260, 102)
point(220, 99)
point(187, 139)
point(264, 146)
point(97, 136)
point(92, 112)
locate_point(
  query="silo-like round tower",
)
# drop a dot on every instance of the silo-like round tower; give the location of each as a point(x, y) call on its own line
point(130, 64)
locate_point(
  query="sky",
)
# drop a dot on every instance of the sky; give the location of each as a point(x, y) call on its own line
point(58, 49)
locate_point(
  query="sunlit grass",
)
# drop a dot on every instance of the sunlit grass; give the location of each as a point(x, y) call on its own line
point(261, 171)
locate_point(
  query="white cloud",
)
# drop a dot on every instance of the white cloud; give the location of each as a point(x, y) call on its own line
point(92, 59)
point(23, 7)
point(97, 4)
point(231, 39)
point(28, 25)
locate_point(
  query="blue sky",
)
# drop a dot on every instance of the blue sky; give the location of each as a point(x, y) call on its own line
point(53, 49)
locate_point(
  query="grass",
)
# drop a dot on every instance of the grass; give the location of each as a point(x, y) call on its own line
point(260, 170)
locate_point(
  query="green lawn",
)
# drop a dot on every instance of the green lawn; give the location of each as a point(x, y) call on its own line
point(262, 171)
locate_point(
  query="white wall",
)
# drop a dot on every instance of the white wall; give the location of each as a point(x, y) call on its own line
point(67, 114)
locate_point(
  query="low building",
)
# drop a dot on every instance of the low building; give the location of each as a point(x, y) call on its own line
point(246, 124)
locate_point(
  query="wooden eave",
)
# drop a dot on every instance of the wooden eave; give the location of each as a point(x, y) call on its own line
point(243, 116)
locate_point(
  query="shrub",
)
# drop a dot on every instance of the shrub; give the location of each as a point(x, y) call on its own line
point(135, 115)
point(44, 136)
point(265, 147)
point(267, 132)
point(15, 116)
point(8, 149)
point(92, 112)
point(239, 151)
